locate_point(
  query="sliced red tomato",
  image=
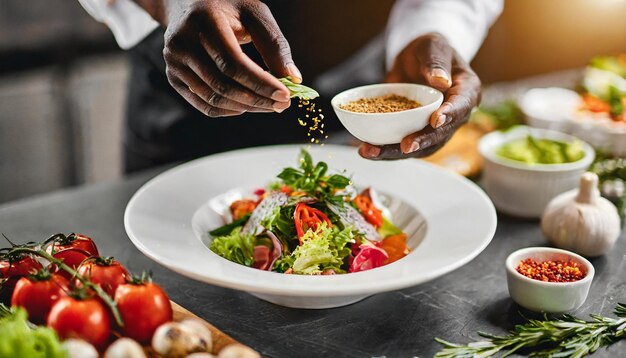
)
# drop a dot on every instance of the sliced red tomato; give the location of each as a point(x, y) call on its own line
point(105, 272)
point(241, 208)
point(369, 211)
point(370, 256)
point(86, 319)
point(37, 293)
point(11, 270)
point(306, 217)
point(144, 306)
point(395, 247)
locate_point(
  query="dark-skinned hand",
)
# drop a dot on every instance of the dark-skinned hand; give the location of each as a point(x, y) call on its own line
point(430, 60)
point(205, 62)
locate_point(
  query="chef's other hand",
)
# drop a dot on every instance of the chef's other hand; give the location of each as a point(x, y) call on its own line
point(430, 60)
point(205, 62)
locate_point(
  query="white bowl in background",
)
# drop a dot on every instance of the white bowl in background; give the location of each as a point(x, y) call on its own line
point(550, 108)
point(387, 128)
point(551, 297)
point(168, 219)
point(522, 189)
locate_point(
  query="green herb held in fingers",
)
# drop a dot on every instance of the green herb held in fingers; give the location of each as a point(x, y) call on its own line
point(298, 90)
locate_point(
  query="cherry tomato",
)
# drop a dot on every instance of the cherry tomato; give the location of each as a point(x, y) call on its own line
point(143, 307)
point(395, 247)
point(86, 319)
point(106, 272)
point(72, 258)
point(241, 208)
point(11, 270)
point(369, 211)
point(37, 293)
point(369, 257)
point(74, 241)
point(306, 217)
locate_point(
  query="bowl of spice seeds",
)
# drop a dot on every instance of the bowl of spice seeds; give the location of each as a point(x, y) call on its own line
point(385, 113)
point(544, 279)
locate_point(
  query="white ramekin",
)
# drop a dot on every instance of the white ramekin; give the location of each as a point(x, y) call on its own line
point(525, 190)
point(551, 297)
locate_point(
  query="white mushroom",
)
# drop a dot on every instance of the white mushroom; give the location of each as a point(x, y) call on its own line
point(198, 327)
point(238, 351)
point(125, 348)
point(173, 340)
point(78, 348)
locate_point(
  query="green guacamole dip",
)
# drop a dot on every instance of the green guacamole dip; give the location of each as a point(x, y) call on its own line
point(532, 150)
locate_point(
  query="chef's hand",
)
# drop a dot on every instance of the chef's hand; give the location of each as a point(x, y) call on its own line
point(205, 62)
point(430, 60)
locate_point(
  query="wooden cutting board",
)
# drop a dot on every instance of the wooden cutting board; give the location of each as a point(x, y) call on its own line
point(220, 339)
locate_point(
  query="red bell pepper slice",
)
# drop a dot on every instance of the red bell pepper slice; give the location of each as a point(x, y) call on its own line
point(369, 211)
point(306, 217)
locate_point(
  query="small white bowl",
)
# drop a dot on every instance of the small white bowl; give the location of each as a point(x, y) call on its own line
point(550, 108)
point(540, 296)
point(387, 128)
point(521, 189)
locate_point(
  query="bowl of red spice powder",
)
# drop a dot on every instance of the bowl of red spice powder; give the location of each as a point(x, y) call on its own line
point(385, 113)
point(544, 279)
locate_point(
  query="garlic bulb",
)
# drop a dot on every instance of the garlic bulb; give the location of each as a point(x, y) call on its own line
point(581, 220)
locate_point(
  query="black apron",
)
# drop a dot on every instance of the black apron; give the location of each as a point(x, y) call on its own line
point(161, 127)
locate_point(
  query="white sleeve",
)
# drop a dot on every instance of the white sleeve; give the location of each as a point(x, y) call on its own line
point(464, 23)
point(128, 21)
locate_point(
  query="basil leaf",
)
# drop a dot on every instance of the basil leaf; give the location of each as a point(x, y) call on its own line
point(298, 90)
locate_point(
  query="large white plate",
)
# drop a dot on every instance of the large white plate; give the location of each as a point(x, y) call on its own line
point(164, 220)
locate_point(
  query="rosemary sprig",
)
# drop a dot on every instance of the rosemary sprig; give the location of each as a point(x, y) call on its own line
point(565, 336)
point(298, 90)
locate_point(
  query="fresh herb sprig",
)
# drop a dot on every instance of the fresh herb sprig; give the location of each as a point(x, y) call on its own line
point(314, 181)
point(298, 90)
point(565, 336)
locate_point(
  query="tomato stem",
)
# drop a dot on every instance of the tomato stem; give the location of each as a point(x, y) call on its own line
point(87, 283)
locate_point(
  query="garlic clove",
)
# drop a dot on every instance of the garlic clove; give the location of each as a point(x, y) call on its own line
point(125, 348)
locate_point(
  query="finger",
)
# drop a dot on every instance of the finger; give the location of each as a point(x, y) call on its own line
point(427, 138)
point(199, 103)
point(459, 100)
point(228, 88)
point(224, 50)
point(394, 152)
point(435, 59)
point(270, 41)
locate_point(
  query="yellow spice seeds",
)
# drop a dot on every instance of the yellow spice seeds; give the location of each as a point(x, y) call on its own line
point(382, 104)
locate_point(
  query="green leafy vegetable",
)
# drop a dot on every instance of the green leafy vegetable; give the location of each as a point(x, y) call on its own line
point(609, 63)
point(388, 229)
point(228, 228)
point(503, 116)
point(565, 336)
point(312, 179)
point(235, 247)
point(17, 339)
point(298, 90)
point(322, 249)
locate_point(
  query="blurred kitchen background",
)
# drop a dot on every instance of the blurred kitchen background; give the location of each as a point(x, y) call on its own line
point(63, 78)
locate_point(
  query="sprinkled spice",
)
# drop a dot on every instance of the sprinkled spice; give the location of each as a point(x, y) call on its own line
point(552, 271)
point(313, 120)
point(382, 104)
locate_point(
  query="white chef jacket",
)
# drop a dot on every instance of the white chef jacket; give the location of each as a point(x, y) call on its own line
point(463, 22)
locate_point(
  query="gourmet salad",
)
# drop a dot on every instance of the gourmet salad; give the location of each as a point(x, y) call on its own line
point(310, 222)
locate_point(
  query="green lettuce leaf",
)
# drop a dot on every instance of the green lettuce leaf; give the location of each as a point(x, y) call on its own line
point(17, 339)
point(325, 248)
point(235, 247)
point(298, 90)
